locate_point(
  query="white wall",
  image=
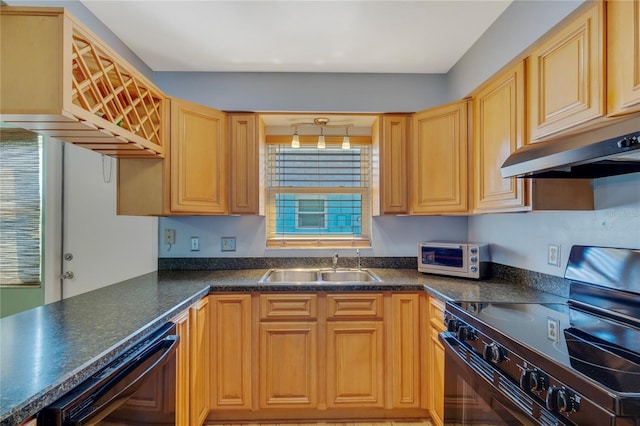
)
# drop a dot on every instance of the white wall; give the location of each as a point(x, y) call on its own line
point(522, 239)
point(106, 248)
point(391, 236)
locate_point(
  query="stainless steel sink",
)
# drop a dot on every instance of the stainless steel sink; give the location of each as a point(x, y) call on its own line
point(348, 276)
point(318, 276)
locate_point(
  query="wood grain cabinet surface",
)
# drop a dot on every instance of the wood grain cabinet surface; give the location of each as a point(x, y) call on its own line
point(439, 160)
point(567, 76)
point(343, 355)
point(245, 132)
point(435, 356)
point(390, 134)
point(499, 123)
point(623, 56)
point(59, 79)
point(191, 179)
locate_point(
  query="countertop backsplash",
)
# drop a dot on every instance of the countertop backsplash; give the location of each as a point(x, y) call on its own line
point(536, 280)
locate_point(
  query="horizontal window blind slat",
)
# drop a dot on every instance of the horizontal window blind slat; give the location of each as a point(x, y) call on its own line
point(20, 211)
point(317, 197)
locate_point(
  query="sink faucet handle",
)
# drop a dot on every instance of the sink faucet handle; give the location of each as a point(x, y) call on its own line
point(335, 261)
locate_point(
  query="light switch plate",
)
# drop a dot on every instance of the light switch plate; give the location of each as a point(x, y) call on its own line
point(228, 244)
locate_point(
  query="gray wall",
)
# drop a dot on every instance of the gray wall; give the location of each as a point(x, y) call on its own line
point(307, 92)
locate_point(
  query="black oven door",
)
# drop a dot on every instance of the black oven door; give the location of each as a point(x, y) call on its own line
point(138, 388)
point(475, 393)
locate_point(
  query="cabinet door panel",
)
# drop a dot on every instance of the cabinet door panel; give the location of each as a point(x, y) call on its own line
point(198, 159)
point(393, 165)
point(199, 362)
point(567, 76)
point(623, 56)
point(498, 132)
point(439, 160)
point(244, 164)
point(288, 365)
point(355, 364)
point(231, 357)
point(405, 350)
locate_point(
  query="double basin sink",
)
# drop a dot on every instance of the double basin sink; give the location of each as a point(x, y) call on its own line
point(319, 276)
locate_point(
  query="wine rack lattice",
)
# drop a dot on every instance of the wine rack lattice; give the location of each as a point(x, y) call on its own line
point(110, 91)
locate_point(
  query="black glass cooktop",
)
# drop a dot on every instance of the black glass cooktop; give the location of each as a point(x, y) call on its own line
point(602, 349)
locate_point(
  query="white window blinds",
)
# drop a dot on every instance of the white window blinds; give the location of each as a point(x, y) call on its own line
point(318, 197)
point(20, 208)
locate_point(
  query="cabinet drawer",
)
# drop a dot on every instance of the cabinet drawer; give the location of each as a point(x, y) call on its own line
point(288, 306)
point(344, 306)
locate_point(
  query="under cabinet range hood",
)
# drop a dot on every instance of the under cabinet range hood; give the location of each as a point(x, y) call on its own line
point(607, 151)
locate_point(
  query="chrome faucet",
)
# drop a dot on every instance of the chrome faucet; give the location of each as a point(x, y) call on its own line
point(358, 256)
point(335, 261)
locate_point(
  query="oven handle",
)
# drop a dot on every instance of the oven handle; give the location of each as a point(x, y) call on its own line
point(126, 382)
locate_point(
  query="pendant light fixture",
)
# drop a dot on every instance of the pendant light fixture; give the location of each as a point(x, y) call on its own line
point(321, 122)
point(321, 144)
point(295, 141)
point(346, 142)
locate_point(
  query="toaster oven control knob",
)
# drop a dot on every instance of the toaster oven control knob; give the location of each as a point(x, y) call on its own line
point(533, 380)
point(466, 333)
point(474, 250)
point(494, 353)
point(473, 268)
point(473, 259)
point(561, 400)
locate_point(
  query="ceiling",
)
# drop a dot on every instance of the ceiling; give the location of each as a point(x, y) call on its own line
point(366, 36)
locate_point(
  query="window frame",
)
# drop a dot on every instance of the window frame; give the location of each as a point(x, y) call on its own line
point(337, 240)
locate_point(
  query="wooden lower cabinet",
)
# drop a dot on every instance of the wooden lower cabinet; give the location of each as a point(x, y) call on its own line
point(183, 364)
point(435, 356)
point(199, 361)
point(355, 369)
point(231, 352)
point(318, 356)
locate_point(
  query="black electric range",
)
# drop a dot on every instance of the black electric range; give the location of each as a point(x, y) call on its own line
point(570, 364)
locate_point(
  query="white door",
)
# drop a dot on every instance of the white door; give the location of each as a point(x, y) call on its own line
point(98, 246)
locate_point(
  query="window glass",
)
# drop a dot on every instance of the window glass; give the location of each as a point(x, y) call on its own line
point(318, 197)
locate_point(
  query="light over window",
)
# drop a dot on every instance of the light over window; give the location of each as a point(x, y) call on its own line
point(318, 197)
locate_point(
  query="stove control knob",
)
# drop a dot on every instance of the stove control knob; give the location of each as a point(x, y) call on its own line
point(494, 353)
point(452, 325)
point(562, 400)
point(466, 333)
point(532, 380)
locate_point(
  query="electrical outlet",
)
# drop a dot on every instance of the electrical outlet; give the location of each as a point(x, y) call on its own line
point(553, 254)
point(228, 244)
point(169, 236)
point(195, 243)
point(553, 329)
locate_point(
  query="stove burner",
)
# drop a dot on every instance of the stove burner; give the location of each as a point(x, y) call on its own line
point(507, 313)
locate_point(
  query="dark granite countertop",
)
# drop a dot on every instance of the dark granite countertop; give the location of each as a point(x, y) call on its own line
point(48, 350)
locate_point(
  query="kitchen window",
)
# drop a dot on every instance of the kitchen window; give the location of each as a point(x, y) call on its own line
point(318, 197)
point(21, 191)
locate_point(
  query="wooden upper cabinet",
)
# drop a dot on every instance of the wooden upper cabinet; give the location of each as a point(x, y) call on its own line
point(391, 135)
point(198, 159)
point(245, 130)
point(61, 80)
point(623, 56)
point(192, 179)
point(567, 76)
point(498, 131)
point(439, 160)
